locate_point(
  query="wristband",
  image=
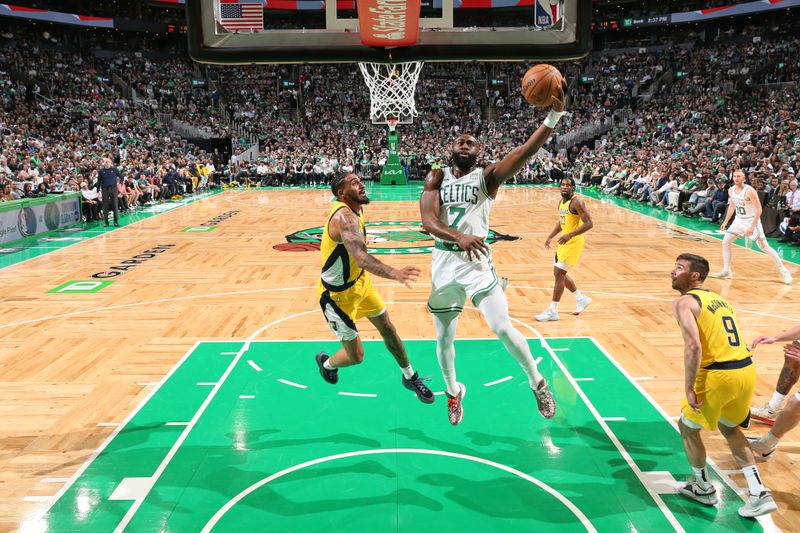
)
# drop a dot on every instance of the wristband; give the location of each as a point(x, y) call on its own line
point(552, 119)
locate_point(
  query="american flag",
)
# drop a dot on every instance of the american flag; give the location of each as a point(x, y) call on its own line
point(241, 15)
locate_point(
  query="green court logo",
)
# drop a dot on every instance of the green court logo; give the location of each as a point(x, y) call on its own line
point(80, 286)
point(386, 238)
point(199, 229)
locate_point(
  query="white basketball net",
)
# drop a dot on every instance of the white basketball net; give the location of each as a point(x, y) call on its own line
point(391, 90)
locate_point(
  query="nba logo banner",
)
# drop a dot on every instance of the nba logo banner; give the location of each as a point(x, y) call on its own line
point(548, 13)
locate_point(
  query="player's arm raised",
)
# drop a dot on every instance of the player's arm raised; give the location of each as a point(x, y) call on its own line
point(429, 206)
point(353, 239)
point(586, 218)
point(685, 308)
point(498, 173)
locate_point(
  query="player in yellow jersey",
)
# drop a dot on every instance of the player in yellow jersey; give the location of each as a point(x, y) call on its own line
point(573, 221)
point(719, 383)
point(346, 292)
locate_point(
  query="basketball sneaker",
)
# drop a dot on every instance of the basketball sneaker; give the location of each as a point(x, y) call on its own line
point(761, 450)
point(758, 505)
point(331, 376)
point(764, 414)
point(722, 274)
point(692, 490)
point(581, 304)
point(787, 276)
point(544, 400)
point(417, 384)
point(455, 411)
point(548, 315)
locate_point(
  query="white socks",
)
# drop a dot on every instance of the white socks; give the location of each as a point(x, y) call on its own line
point(726, 252)
point(408, 372)
point(445, 352)
point(494, 308)
point(701, 477)
point(327, 364)
point(554, 307)
point(777, 401)
point(753, 480)
point(771, 440)
point(770, 251)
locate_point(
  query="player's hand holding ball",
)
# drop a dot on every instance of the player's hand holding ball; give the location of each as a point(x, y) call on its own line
point(543, 85)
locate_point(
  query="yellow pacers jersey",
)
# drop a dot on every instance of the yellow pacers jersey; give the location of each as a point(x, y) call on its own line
point(719, 334)
point(569, 222)
point(339, 270)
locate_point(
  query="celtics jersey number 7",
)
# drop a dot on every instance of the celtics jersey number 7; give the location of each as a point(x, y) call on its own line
point(465, 202)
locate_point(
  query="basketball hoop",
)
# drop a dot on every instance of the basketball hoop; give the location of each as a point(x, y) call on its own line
point(391, 91)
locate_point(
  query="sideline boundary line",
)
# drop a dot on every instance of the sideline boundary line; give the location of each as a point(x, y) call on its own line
point(666, 511)
point(71, 480)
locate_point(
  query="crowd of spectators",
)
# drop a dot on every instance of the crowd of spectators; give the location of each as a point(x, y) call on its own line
point(173, 86)
point(678, 150)
point(53, 143)
point(312, 120)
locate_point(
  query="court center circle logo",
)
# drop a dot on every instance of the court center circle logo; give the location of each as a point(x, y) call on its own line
point(383, 238)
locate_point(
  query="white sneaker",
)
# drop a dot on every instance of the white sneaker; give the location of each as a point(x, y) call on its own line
point(548, 315)
point(581, 304)
point(787, 276)
point(764, 414)
point(758, 505)
point(761, 450)
point(693, 491)
point(722, 274)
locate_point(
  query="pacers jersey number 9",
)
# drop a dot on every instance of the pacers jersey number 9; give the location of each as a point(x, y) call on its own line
point(719, 333)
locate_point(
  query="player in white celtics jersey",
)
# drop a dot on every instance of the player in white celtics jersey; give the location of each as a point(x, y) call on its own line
point(745, 203)
point(455, 206)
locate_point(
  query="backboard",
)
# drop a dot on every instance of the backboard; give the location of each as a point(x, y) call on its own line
point(319, 31)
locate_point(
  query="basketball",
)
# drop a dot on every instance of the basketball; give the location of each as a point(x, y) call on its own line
point(540, 83)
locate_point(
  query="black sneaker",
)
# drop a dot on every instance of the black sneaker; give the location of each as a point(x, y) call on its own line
point(331, 376)
point(417, 384)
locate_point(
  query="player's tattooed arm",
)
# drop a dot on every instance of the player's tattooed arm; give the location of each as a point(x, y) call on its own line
point(353, 239)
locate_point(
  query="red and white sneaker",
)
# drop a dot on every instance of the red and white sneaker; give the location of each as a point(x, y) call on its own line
point(455, 411)
point(544, 400)
point(764, 414)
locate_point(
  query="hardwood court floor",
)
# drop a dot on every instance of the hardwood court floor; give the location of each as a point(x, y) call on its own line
point(71, 361)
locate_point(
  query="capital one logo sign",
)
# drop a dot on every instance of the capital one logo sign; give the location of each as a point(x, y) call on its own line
point(81, 286)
